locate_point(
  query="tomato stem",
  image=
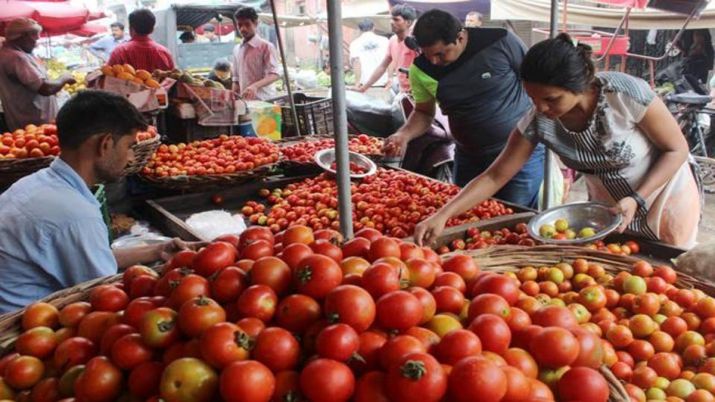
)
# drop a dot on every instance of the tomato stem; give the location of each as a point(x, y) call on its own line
point(413, 369)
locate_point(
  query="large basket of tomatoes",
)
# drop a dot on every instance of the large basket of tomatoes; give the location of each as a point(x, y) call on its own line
point(370, 319)
point(26, 151)
point(218, 162)
point(147, 143)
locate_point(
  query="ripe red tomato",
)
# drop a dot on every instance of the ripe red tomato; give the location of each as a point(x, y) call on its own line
point(228, 284)
point(452, 280)
point(72, 352)
point(397, 347)
point(462, 265)
point(100, 381)
point(350, 305)
point(72, 314)
point(129, 351)
point(583, 384)
point(325, 380)
point(112, 335)
point(488, 303)
point(297, 312)
point(554, 316)
point(554, 347)
point(198, 314)
point(277, 349)
point(380, 279)
point(448, 299)
point(108, 298)
point(522, 360)
point(95, 324)
point(477, 379)
point(189, 379)
point(590, 349)
point(144, 379)
point(518, 385)
point(338, 342)
point(383, 247)
point(256, 250)
point(224, 343)
point(189, 287)
point(247, 381)
point(40, 314)
point(158, 327)
point(370, 344)
point(294, 253)
point(371, 388)
point(501, 285)
point(328, 249)
point(254, 233)
point(493, 332)
point(298, 234)
point(398, 310)
point(369, 234)
point(457, 345)
point(287, 386)
point(666, 365)
point(272, 272)
point(23, 372)
point(317, 275)
point(421, 272)
point(416, 374)
point(258, 301)
point(214, 257)
point(46, 390)
point(182, 259)
point(39, 342)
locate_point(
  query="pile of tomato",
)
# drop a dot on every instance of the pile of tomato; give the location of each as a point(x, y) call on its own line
point(31, 142)
point(222, 155)
point(147, 135)
point(353, 167)
point(519, 235)
point(391, 201)
point(303, 152)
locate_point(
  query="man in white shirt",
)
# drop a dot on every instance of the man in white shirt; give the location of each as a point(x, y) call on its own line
point(367, 52)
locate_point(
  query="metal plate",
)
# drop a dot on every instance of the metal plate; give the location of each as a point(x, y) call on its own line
point(326, 157)
point(579, 215)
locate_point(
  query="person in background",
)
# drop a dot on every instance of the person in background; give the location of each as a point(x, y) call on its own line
point(366, 52)
point(104, 46)
point(473, 20)
point(473, 74)
point(397, 51)
point(255, 63)
point(26, 92)
point(52, 234)
point(699, 56)
point(187, 37)
point(222, 73)
point(209, 34)
point(611, 127)
point(141, 52)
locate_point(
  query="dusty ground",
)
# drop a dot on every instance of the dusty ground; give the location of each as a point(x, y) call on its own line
point(707, 224)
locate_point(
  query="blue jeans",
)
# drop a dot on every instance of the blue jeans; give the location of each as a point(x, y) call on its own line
point(523, 189)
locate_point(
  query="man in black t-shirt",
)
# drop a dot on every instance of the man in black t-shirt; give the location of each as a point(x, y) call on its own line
point(473, 74)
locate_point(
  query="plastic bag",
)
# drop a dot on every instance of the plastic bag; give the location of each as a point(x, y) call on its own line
point(699, 261)
point(209, 225)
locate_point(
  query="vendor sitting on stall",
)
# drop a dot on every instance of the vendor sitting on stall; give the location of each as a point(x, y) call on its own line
point(27, 94)
point(611, 127)
point(52, 235)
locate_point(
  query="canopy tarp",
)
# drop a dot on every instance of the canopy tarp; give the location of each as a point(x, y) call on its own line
point(458, 8)
point(56, 17)
point(10, 10)
point(608, 17)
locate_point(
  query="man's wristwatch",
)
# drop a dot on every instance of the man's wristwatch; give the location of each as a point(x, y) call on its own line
point(639, 200)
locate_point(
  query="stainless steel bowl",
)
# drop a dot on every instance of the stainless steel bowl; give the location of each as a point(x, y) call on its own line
point(579, 215)
point(326, 157)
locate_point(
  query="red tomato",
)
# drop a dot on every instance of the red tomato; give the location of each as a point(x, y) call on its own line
point(518, 319)
point(183, 258)
point(477, 379)
point(518, 385)
point(252, 326)
point(256, 250)
point(590, 349)
point(416, 374)
point(23, 372)
point(397, 347)
point(328, 249)
point(370, 344)
point(254, 233)
point(39, 342)
point(228, 284)
point(247, 381)
point(398, 310)
point(258, 301)
point(350, 305)
point(189, 379)
point(457, 345)
point(189, 287)
point(338, 342)
point(297, 312)
point(448, 299)
point(46, 390)
point(214, 257)
point(72, 314)
point(450, 279)
point(325, 380)
point(272, 272)
point(462, 265)
point(294, 253)
point(554, 316)
point(72, 352)
point(522, 360)
point(100, 381)
point(135, 271)
point(198, 314)
point(287, 386)
point(371, 388)
point(112, 335)
point(554, 347)
point(40, 314)
point(224, 343)
point(158, 327)
point(369, 234)
point(317, 275)
point(493, 332)
point(145, 378)
point(583, 384)
point(421, 272)
point(129, 351)
point(277, 349)
point(383, 247)
point(108, 298)
point(488, 303)
point(380, 279)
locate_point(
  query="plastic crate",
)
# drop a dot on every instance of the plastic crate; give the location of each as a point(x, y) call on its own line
point(315, 115)
point(101, 196)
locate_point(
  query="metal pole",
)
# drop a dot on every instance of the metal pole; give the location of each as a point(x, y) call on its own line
point(286, 80)
point(546, 200)
point(340, 120)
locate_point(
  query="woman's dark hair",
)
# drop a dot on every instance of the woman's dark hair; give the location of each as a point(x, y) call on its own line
point(559, 62)
point(248, 13)
point(91, 113)
point(366, 25)
point(406, 12)
point(222, 65)
point(436, 26)
point(187, 37)
point(142, 21)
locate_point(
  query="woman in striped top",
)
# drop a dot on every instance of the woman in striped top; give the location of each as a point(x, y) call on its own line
point(609, 126)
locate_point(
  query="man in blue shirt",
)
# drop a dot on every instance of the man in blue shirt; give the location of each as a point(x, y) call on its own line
point(103, 47)
point(52, 235)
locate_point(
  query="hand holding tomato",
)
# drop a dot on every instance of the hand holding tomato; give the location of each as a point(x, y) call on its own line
point(429, 229)
point(627, 207)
